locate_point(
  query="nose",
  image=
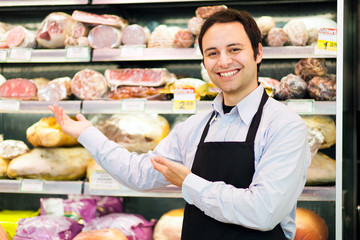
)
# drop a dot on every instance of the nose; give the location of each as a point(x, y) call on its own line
point(224, 60)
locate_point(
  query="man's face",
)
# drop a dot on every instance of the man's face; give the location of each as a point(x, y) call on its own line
point(229, 60)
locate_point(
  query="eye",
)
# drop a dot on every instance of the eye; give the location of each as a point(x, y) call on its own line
point(211, 54)
point(235, 50)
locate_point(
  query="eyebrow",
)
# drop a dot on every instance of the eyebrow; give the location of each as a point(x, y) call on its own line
point(229, 45)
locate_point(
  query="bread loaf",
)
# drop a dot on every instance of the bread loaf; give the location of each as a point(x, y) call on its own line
point(169, 226)
point(310, 226)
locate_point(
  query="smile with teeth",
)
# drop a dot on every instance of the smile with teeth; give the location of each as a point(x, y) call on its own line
point(228, 74)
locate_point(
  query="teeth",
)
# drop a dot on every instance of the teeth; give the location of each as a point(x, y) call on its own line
point(228, 74)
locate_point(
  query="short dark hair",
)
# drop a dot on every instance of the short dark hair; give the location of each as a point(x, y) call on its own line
point(232, 15)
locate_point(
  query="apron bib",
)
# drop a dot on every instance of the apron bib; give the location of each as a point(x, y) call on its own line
point(233, 163)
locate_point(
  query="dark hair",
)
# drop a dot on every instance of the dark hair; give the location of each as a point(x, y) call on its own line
point(232, 15)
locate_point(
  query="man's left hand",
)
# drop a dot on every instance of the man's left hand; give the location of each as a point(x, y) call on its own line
point(175, 173)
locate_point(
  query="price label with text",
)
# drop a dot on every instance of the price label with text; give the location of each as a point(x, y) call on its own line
point(327, 41)
point(133, 105)
point(32, 185)
point(132, 51)
point(78, 53)
point(184, 106)
point(301, 105)
point(20, 54)
point(3, 55)
point(99, 179)
point(9, 105)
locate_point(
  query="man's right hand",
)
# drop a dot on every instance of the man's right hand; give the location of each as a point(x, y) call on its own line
point(68, 125)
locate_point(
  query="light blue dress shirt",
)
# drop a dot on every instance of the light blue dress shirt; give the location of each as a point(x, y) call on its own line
point(282, 156)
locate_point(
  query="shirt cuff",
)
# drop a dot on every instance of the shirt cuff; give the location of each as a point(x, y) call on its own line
point(192, 188)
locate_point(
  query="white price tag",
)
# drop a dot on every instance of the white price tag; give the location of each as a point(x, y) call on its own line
point(3, 55)
point(20, 54)
point(133, 105)
point(301, 106)
point(327, 41)
point(32, 185)
point(9, 105)
point(78, 53)
point(132, 51)
point(184, 100)
point(99, 179)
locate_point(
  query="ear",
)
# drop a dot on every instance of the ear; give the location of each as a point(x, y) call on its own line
point(259, 56)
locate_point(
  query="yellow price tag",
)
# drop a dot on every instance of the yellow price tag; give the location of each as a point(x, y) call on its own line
point(184, 106)
point(326, 45)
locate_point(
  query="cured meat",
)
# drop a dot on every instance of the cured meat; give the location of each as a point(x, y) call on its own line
point(132, 92)
point(104, 19)
point(322, 170)
point(21, 37)
point(265, 24)
point(55, 90)
point(163, 37)
point(184, 39)
point(291, 87)
point(54, 29)
point(135, 35)
point(78, 35)
point(297, 32)
point(323, 88)
point(277, 37)
point(103, 234)
point(18, 88)
point(103, 36)
point(149, 77)
point(10, 149)
point(89, 84)
point(307, 68)
point(207, 11)
point(195, 24)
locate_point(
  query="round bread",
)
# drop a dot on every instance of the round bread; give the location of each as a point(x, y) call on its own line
point(310, 226)
point(169, 225)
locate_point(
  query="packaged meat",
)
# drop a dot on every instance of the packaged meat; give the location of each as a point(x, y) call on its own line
point(323, 88)
point(133, 226)
point(51, 164)
point(269, 84)
point(101, 234)
point(163, 36)
point(4, 163)
point(132, 92)
point(41, 81)
point(9, 219)
point(183, 39)
point(195, 24)
point(313, 25)
point(103, 36)
point(104, 19)
point(139, 132)
point(89, 84)
point(147, 77)
point(291, 87)
point(47, 133)
point(169, 226)
point(47, 228)
point(265, 24)
point(18, 88)
point(307, 68)
point(309, 225)
point(277, 37)
point(10, 149)
point(207, 11)
point(78, 35)
point(80, 210)
point(297, 32)
point(135, 34)
point(322, 170)
point(19, 36)
point(54, 29)
point(55, 90)
point(324, 124)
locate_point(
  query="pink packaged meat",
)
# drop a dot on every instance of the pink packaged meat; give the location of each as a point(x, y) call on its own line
point(207, 11)
point(183, 39)
point(89, 84)
point(135, 34)
point(18, 88)
point(103, 36)
point(149, 77)
point(277, 37)
point(104, 19)
point(55, 90)
point(323, 88)
point(21, 37)
point(195, 24)
point(291, 87)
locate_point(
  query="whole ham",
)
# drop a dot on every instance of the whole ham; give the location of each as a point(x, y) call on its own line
point(89, 84)
point(54, 29)
point(18, 88)
point(103, 36)
point(21, 37)
point(135, 35)
point(150, 77)
point(104, 19)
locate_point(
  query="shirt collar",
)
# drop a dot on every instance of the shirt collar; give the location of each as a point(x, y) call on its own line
point(246, 108)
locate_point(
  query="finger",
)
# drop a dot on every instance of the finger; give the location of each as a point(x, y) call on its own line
point(158, 166)
point(161, 160)
point(80, 117)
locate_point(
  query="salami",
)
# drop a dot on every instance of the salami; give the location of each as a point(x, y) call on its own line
point(21, 37)
point(207, 11)
point(103, 36)
point(135, 35)
point(132, 92)
point(183, 39)
point(88, 84)
point(18, 88)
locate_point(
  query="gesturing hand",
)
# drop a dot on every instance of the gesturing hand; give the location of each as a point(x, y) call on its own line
point(68, 125)
point(173, 172)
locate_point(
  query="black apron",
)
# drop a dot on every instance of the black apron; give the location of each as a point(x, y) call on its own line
point(233, 163)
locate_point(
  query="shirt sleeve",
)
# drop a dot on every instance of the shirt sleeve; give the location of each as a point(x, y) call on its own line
point(278, 181)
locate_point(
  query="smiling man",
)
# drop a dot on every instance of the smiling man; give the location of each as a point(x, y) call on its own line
point(241, 165)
